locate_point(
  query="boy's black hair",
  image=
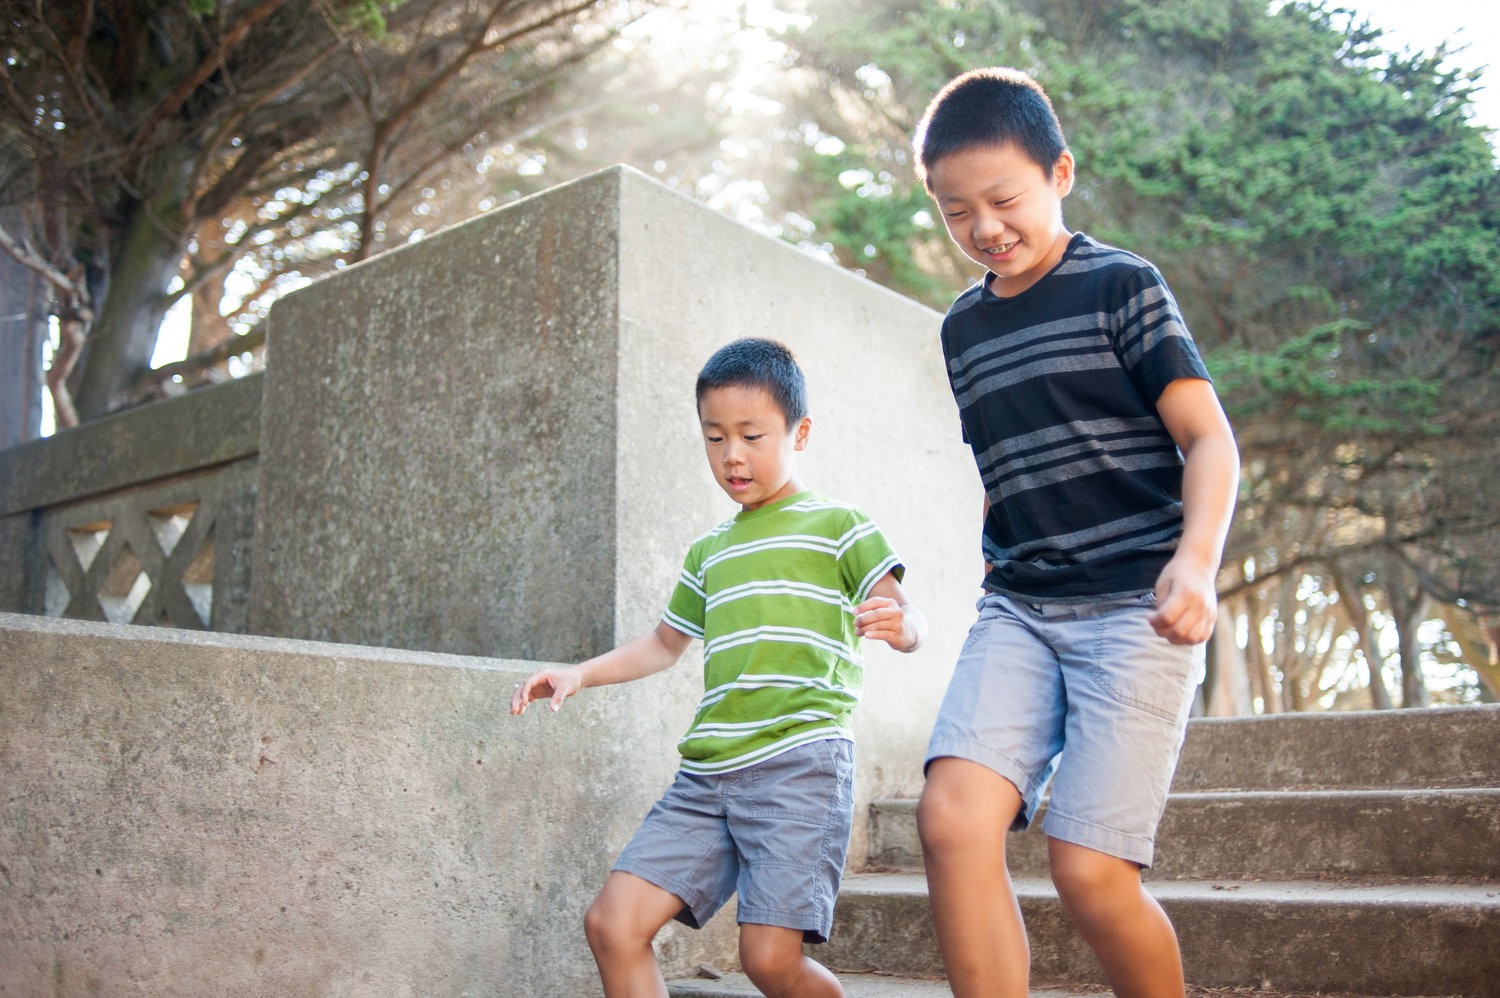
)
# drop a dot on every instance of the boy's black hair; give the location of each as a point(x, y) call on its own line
point(989, 107)
point(758, 363)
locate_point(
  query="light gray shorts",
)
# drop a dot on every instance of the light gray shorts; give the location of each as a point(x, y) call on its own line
point(1084, 694)
point(777, 832)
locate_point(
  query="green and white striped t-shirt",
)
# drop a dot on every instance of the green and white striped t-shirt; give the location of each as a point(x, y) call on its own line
point(772, 594)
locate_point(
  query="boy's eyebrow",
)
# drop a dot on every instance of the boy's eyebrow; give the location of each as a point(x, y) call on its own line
point(743, 422)
point(1003, 184)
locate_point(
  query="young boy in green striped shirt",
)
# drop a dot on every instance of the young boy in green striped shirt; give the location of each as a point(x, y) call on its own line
point(781, 595)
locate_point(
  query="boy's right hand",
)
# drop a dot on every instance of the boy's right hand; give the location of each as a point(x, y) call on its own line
point(558, 684)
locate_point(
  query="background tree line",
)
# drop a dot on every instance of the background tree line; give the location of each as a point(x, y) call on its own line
point(1323, 208)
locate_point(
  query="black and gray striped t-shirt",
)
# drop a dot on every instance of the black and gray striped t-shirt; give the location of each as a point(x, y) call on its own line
point(1057, 391)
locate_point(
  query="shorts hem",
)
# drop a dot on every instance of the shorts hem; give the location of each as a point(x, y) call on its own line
point(813, 929)
point(992, 759)
point(694, 905)
point(1133, 848)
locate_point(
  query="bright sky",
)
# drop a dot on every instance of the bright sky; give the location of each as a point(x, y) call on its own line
point(1427, 23)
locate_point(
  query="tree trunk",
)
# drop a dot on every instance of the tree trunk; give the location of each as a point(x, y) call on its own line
point(124, 333)
point(1408, 611)
point(1288, 659)
point(1255, 652)
point(23, 329)
point(1226, 687)
point(1353, 602)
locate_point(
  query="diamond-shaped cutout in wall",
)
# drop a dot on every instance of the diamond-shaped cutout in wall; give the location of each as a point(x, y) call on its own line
point(170, 522)
point(87, 539)
point(198, 579)
point(125, 588)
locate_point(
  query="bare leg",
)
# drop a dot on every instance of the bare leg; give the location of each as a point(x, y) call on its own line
point(620, 924)
point(773, 960)
point(963, 816)
point(1126, 928)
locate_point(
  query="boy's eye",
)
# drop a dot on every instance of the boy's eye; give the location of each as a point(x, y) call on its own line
point(752, 437)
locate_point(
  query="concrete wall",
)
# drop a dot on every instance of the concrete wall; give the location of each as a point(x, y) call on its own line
point(482, 444)
point(486, 443)
point(188, 813)
point(87, 473)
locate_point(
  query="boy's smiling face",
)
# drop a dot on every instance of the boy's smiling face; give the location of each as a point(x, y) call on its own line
point(1003, 211)
point(750, 448)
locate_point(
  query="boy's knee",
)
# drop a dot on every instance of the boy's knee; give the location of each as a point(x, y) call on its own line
point(940, 817)
point(965, 805)
point(771, 961)
point(609, 930)
point(1088, 881)
point(597, 925)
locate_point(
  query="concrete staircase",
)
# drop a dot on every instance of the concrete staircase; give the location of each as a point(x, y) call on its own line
point(1344, 853)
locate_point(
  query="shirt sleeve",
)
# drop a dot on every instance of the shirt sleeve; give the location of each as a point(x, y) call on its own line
point(687, 608)
point(865, 557)
point(1151, 335)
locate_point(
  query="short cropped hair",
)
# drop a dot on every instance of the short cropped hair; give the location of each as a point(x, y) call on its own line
point(758, 363)
point(989, 107)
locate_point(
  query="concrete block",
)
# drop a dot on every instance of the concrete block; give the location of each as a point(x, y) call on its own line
point(487, 442)
point(188, 813)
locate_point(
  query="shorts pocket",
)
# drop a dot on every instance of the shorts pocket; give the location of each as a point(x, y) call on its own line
point(1138, 668)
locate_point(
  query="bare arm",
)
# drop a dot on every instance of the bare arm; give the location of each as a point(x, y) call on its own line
point(641, 656)
point(889, 616)
point(1187, 598)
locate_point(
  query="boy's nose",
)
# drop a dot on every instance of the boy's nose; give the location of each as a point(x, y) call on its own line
point(988, 227)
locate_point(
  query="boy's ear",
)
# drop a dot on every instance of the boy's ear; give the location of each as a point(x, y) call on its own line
point(1063, 173)
point(803, 429)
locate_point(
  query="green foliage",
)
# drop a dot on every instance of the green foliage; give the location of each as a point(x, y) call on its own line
point(1326, 214)
point(1300, 382)
point(366, 16)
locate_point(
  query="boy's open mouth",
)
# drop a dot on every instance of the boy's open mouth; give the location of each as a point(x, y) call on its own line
point(737, 483)
point(1003, 248)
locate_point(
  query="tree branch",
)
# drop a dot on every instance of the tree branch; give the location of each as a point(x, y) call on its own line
point(213, 61)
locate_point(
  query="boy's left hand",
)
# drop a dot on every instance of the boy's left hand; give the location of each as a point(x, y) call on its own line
point(884, 619)
point(1187, 603)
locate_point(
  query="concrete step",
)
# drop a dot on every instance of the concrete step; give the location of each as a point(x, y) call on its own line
point(1347, 833)
point(887, 986)
point(1392, 938)
point(855, 986)
point(1442, 747)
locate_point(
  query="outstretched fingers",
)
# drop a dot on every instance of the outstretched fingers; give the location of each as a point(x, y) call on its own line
point(541, 685)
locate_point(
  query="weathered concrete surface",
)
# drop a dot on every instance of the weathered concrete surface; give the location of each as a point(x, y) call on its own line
point(197, 430)
point(1443, 747)
point(1447, 833)
point(203, 429)
point(191, 814)
point(1409, 939)
point(487, 443)
point(855, 986)
point(1364, 861)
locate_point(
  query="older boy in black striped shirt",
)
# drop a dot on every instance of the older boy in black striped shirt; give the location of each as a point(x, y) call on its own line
point(1109, 473)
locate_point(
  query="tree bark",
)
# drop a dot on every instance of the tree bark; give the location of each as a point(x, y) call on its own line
point(23, 329)
point(123, 337)
point(1408, 611)
point(1260, 669)
point(1353, 603)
